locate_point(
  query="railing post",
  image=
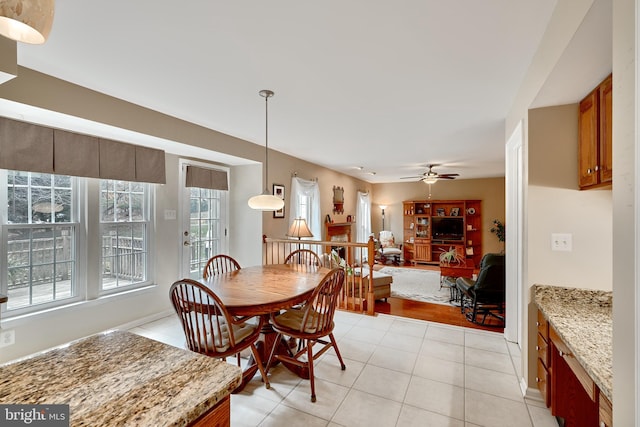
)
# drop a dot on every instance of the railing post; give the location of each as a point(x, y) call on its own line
point(370, 260)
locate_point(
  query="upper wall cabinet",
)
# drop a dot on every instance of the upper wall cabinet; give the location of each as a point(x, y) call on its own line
point(594, 133)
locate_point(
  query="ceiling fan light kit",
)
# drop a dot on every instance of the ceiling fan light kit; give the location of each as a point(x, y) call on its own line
point(431, 177)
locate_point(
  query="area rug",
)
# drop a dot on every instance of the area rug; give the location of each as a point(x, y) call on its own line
point(418, 285)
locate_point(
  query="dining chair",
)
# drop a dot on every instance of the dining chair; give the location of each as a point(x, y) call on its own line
point(219, 264)
point(310, 324)
point(208, 326)
point(303, 256)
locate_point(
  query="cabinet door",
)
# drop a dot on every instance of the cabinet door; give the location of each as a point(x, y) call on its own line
point(606, 126)
point(588, 140)
point(422, 252)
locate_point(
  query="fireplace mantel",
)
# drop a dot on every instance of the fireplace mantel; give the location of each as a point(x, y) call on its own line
point(338, 229)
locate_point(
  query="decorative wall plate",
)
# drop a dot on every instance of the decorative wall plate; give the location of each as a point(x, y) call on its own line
point(471, 211)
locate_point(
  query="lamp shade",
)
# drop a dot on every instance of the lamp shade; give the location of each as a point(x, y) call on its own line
point(27, 21)
point(266, 202)
point(299, 229)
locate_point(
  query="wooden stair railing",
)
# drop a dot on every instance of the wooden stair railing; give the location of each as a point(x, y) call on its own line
point(353, 297)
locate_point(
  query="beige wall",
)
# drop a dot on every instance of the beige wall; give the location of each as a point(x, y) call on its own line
point(283, 167)
point(557, 206)
point(489, 190)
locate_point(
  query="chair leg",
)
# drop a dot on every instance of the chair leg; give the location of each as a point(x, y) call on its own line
point(311, 377)
point(263, 372)
point(335, 347)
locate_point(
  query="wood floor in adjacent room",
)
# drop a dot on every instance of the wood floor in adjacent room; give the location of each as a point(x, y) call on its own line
point(439, 313)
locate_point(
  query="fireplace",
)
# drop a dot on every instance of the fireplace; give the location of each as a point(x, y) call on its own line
point(340, 232)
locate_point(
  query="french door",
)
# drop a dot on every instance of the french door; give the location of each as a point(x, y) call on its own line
point(204, 226)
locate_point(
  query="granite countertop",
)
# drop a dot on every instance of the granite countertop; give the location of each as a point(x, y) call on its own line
point(583, 319)
point(119, 378)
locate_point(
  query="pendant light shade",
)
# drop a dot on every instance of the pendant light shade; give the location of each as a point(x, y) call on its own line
point(27, 21)
point(266, 201)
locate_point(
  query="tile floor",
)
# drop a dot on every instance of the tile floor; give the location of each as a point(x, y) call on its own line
point(400, 372)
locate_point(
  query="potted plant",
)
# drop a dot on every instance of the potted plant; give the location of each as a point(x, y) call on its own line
point(451, 256)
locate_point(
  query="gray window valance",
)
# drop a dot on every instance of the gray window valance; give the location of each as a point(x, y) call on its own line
point(206, 178)
point(34, 148)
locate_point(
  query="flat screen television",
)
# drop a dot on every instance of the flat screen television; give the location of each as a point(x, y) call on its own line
point(447, 228)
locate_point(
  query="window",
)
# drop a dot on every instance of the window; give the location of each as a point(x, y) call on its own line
point(124, 228)
point(305, 203)
point(39, 228)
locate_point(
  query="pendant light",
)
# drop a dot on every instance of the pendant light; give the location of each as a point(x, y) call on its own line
point(266, 201)
point(27, 21)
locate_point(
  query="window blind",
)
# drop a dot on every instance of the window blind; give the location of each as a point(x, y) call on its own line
point(33, 148)
point(25, 146)
point(213, 179)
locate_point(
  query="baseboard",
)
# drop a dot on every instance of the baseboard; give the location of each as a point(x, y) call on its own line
point(147, 319)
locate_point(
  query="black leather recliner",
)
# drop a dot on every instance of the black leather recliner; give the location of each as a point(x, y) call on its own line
point(484, 296)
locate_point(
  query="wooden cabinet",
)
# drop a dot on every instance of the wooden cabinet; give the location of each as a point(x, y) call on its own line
point(595, 137)
point(565, 385)
point(433, 226)
point(544, 359)
point(605, 411)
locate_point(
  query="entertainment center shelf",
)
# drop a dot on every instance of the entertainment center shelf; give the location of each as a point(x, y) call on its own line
point(431, 227)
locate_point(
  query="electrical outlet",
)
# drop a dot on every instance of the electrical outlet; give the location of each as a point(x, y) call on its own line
point(561, 242)
point(7, 337)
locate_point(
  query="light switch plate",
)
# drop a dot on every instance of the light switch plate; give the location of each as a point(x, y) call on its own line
point(561, 242)
point(169, 214)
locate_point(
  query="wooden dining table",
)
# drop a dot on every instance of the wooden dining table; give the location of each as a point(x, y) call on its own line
point(262, 290)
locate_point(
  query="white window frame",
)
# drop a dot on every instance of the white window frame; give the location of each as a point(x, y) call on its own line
point(87, 248)
point(78, 292)
point(145, 222)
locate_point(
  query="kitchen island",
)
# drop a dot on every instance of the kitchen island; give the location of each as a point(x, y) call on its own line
point(119, 378)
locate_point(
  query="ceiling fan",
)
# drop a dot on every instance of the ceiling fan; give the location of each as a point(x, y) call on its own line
point(431, 177)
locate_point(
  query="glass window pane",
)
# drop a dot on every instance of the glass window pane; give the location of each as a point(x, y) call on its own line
point(107, 201)
point(124, 235)
point(19, 289)
point(137, 207)
point(18, 205)
point(62, 205)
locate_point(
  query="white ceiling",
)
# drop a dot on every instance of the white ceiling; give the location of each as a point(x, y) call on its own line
point(388, 86)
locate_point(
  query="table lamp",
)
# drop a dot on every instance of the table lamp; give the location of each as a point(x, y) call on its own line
point(299, 229)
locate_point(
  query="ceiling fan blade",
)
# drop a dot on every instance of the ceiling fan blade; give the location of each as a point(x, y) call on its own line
point(411, 177)
point(444, 175)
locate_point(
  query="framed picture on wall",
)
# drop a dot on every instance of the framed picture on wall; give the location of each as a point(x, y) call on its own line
point(278, 191)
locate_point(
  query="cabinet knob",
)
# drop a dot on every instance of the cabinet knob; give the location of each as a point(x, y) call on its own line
point(597, 168)
point(589, 171)
point(560, 353)
point(537, 347)
point(537, 323)
point(537, 379)
point(602, 424)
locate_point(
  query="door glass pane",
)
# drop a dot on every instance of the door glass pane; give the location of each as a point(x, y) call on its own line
point(205, 229)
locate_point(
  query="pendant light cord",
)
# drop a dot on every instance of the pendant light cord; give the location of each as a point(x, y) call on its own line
point(266, 144)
